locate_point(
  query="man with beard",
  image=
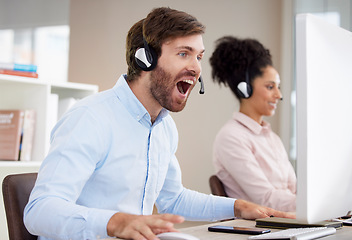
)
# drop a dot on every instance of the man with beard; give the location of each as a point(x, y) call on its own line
point(112, 155)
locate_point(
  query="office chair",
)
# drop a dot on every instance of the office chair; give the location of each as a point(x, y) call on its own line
point(16, 189)
point(216, 186)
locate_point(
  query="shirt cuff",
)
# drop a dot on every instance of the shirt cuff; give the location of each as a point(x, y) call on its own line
point(224, 207)
point(97, 223)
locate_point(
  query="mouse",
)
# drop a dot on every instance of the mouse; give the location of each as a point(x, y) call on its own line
point(176, 236)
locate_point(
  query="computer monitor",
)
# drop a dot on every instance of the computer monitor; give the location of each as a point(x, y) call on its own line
point(324, 119)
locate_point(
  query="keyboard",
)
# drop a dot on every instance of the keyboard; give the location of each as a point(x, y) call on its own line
point(297, 233)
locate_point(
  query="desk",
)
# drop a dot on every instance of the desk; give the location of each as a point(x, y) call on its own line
point(344, 233)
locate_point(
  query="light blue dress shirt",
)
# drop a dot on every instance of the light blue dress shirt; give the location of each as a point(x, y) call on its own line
point(106, 157)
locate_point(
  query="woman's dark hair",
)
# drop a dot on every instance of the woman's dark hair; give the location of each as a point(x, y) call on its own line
point(233, 57)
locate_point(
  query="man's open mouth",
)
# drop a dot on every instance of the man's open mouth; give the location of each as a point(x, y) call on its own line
point(184, 85)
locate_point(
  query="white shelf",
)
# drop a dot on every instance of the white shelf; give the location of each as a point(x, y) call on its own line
point(32, 93)
point(6, 164)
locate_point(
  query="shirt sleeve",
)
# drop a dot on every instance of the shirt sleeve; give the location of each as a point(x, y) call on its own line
point(52, 210)
point(235, 154)
point(192, 205)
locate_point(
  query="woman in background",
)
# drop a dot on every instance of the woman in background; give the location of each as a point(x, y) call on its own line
point(249, 157)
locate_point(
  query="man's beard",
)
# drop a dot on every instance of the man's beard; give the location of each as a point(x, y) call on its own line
point(161, 88)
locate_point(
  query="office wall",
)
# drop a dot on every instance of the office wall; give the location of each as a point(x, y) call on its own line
point(33, 13)
point(97, 56)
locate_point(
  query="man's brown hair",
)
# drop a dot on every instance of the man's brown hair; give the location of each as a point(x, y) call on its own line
point(160, 25)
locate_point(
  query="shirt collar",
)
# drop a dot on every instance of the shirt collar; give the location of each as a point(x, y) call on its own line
point(251, 124)
point(131, 102)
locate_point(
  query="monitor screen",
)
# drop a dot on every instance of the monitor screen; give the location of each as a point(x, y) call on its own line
point(324, 119)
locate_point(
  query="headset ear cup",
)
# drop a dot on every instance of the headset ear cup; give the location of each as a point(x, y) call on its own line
point(244, 90)
point(146, 59)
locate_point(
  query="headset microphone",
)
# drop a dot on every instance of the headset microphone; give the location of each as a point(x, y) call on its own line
point(201, 91)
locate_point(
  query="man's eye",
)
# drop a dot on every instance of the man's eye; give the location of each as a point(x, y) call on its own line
point(199, 58)
point(270, 87)
point(182, 54)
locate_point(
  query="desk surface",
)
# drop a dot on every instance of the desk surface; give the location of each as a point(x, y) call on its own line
point(202, 231)
point(344, 233)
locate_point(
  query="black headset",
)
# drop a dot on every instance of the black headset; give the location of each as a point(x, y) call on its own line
point(146, 58)
point(244, 88)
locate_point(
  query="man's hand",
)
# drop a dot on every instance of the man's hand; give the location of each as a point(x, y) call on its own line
point(248, 210)
point(139, 227)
